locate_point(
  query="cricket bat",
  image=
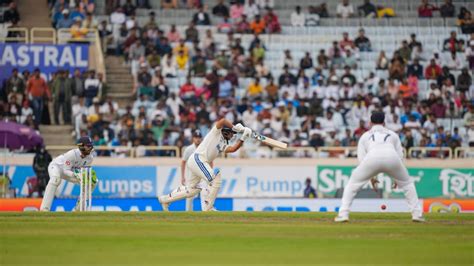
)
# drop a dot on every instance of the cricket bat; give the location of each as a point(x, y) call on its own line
point(269, 141)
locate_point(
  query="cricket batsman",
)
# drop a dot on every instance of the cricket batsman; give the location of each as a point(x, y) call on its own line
point(199, 163)
point(66, 166)
point(186, 173)
point(380, 150)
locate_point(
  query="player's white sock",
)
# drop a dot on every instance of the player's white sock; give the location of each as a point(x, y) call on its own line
point(48, 196)
point(214, 187)
point(412, 199)
point(179, 193)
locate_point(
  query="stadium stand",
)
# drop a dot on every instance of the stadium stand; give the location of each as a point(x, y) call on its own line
point(176, 66)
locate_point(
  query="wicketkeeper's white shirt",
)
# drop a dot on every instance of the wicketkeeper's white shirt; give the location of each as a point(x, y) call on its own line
point(72, 160)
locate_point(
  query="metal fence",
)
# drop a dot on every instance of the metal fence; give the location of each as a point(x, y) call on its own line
point(267, 152)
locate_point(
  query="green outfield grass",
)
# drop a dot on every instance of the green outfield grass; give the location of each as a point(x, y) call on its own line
point(220, 238)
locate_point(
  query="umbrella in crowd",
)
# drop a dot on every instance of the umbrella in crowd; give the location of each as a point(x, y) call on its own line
point(17, 136)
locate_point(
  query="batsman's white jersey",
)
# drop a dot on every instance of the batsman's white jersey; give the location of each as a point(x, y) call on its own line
point(62, 167)
point(212, 145)
point(198, 163)
point(380, 150)
point(188, 176)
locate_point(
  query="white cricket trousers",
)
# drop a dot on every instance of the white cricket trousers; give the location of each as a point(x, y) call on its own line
point(381, 161)
point(55, 177)
point(190, 181)
point(199, 170)
point(200, 175)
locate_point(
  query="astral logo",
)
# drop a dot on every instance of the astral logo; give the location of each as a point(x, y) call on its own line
point(55, 56)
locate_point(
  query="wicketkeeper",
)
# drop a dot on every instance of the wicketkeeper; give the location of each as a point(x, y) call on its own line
point(67, 166)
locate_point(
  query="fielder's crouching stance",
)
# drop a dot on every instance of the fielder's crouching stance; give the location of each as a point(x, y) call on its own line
point(379, 150)
point(199, 163)
point(67, 166)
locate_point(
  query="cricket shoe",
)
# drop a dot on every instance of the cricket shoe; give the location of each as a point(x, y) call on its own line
point(164, 205)
point(419, 219)
point(340, 219)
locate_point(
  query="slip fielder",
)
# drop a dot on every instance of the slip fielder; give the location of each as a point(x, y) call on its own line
point(199, 164)
point(380, 150)
point(186, 173)
point(66, 166)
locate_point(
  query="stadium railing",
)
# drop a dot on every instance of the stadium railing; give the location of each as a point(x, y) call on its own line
point(123, 151)
point(102, 151)
point(64, 36)
point(157, 151)
point(24, 36)
point(117, 151)
point(267, 152)
point(463, 152)
point(174, 151)
point(43, 35)
point(337, 152)
point(298, 152)
point(430, 152)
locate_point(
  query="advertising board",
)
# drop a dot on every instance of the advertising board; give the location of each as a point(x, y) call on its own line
point(47, 57)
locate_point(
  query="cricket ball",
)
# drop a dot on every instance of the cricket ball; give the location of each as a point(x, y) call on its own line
point(383, 207)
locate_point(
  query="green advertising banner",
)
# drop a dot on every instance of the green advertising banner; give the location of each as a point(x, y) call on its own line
point(429, 182)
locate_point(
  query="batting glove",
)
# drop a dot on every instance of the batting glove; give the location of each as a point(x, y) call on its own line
point(247, 132)
point(239, 128)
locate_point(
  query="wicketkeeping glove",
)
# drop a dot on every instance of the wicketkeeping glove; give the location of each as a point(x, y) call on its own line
point(94, 177)
point(76, 178)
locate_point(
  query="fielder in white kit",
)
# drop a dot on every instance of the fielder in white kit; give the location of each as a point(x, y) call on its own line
point(186, 173)
point(380, 150)
point(66, 166)
point(214, 143)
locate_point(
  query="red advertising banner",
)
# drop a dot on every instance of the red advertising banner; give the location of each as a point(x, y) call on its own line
point(19, 205)
point(453, 206)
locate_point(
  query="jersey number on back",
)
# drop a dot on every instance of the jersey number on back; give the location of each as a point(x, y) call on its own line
point(384, 139)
